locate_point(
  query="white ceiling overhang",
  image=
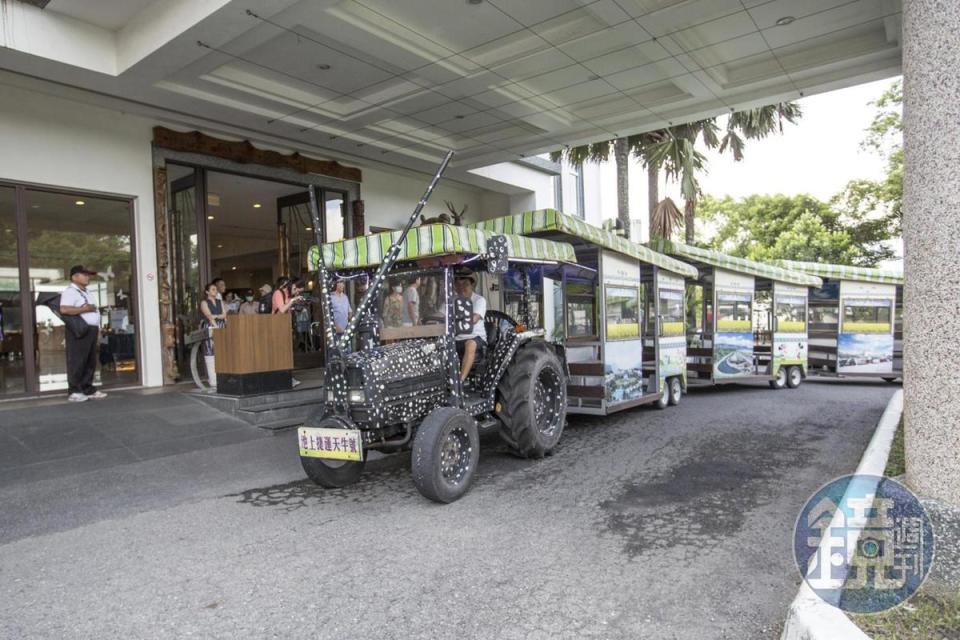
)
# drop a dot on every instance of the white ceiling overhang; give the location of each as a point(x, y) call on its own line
point(402, 81)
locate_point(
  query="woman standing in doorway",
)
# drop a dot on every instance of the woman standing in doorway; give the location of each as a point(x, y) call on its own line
point(284, 299)
point(287, 295)
point(212, 315)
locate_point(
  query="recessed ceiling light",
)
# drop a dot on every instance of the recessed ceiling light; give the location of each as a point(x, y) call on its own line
point(234, 268)
point(257, 205)
point(34, 206)
point(219, 246)
point(323, 67)
point(784, 21)
point(308, 228)
point(79, 203)
point(209, 217)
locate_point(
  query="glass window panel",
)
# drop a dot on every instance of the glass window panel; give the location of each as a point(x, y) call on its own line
point(622, 313)
point(64, 230)
point(11, 328)
point(791, 314)
point(866, 316)
point(671, 312)
point(581, 308)
point(413, 305)
point(333, 216)
point(733, 312)
point(185, 266)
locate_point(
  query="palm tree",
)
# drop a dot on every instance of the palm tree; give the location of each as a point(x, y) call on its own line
point(674, 150)
point(621, 149)
point(665, 218)
point(677, 153)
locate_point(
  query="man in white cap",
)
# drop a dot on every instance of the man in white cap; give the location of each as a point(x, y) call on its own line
point(81, 350)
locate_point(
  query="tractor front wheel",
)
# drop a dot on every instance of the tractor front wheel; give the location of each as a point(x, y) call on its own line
point(445, 454)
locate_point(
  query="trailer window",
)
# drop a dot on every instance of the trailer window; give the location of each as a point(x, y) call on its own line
point(623, 314)
point(671, 312)
point(512, 283)
point(791, 314)
point(413, 305)
point(866, 316)
point(823, 314)
point(733, 312)
point(581, 310)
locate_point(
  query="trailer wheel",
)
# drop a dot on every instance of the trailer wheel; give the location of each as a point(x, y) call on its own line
point(664, 400)
point(445, 454)
point(794, 377)
point(781, 380)
point(676, 390)
point(533, 402)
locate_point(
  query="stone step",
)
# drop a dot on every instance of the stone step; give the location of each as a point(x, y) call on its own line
point(300, 394)
point(266, 415)
point(231, 404)
point(272, 411)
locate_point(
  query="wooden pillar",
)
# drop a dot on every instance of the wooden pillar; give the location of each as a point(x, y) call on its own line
point(168, 330)
point(357, 224)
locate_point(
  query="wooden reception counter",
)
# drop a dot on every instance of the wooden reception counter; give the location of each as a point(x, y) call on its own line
point(254, 354)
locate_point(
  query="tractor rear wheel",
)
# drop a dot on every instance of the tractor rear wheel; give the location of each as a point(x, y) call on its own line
point(533, 402)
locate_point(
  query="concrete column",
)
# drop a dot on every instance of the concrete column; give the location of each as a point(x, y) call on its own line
point(931, 233)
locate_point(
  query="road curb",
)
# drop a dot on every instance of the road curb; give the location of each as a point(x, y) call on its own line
point(809, 616)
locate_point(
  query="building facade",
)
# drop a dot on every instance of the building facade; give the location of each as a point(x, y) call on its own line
point(160, 211)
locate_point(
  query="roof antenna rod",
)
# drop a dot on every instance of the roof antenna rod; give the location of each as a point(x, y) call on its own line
point(391, 257)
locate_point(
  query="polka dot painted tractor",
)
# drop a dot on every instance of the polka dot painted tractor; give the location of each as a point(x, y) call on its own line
point(399, 378)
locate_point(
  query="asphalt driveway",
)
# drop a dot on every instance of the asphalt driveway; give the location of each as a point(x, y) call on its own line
point(645, 524)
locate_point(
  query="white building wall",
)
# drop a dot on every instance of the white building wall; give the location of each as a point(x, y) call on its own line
point(529, 189)
point(389, 198)
point(494, 204)
point(52, 141)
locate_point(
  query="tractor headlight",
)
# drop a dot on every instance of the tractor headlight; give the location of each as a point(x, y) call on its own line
point(356, 396)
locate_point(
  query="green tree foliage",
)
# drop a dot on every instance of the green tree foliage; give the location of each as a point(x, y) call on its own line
point(849, 229)
point(881, 200)
point(765, 227)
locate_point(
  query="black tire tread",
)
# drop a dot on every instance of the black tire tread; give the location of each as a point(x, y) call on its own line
point(331, 477)
point(423, 454)
point(514, 393)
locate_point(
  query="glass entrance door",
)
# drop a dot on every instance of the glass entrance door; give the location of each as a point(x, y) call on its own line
point(295, 230)
point(12, 374)
point(187, 254)
point(62, 230)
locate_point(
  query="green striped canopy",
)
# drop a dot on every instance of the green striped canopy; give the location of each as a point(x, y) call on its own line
point(739, 265)
point(546, 220)
point(433, 240)
point(843, 272)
